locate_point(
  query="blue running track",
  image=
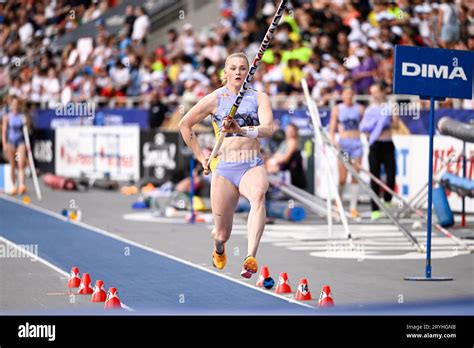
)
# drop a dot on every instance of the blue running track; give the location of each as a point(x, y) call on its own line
point(146, 281)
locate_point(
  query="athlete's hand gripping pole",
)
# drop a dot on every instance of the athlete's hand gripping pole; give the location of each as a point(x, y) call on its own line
point(253, 68)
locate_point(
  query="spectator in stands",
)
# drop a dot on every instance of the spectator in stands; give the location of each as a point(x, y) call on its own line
point(141, 25)
point(288, 157)
point(158, 111)
point(172, 47)
point(120, 75)
point(188, 43)
point(129, 19)
point(448, 24)
point(51, 88)
point(363, 75)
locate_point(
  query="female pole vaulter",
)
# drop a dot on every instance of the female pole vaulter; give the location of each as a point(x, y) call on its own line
point(238, 169)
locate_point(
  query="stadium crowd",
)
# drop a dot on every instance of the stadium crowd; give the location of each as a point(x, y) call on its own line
point(332, 43)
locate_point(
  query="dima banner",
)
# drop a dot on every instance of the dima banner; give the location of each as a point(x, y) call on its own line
point(435, 72)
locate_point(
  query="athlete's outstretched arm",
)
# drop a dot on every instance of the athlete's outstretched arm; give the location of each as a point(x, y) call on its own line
point(198, 112)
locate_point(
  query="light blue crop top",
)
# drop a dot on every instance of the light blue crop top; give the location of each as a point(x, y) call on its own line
point(246, 115)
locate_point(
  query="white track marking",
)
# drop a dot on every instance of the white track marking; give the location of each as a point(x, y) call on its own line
point(141, 246)
point(376, 242)
point(49, 264)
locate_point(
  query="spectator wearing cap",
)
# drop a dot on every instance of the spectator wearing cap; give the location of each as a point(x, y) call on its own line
point(423, 22)
point(141, 25)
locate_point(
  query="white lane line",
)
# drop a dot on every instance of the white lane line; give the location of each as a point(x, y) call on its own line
point(141, 246)
point(48, 264)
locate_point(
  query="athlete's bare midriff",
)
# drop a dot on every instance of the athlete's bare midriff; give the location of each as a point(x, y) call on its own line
point(347, 133)
point(239, 148)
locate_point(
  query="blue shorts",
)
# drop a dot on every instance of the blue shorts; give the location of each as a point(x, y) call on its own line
point(234, 171)
point(351, 146)
point(16, 141)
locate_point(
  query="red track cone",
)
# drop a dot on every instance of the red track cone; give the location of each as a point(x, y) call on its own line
point(99, 294)
point(74, 280)
point(283, 286)
point(85, 287)
point(325, 298)
point(112, 301)
point(303, 293)
point(264, 273)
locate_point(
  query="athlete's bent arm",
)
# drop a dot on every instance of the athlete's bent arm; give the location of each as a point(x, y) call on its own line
point(198, 112)
point(265, 116)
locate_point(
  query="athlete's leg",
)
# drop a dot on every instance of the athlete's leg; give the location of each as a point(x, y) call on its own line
point(22, 160)
point(355, 190)
point(253, 186)
point(224, 198)
point(10, 151)
point(342, 178)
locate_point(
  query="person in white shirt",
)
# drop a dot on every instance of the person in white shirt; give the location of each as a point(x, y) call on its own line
point(120, 77)
point(188, 42)
point(141, 25)
point(25, 31)
point(36, 85)
point(51, 88)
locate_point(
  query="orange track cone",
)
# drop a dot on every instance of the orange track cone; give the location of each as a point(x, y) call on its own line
point(85, 287)
point(99, 294)
point(283, 286)
point(112, 301)
point(74, 280)
point(325, 298)
point(264, 273)
point(303, 293)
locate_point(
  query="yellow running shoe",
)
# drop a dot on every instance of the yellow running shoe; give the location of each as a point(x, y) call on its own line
point(250, 267)
point(219, 260)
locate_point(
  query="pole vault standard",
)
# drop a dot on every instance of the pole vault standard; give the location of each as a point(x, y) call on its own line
point(418, 212)
point(456, 81)
point(369, 191)
point(314, 113)
point(258, 58)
